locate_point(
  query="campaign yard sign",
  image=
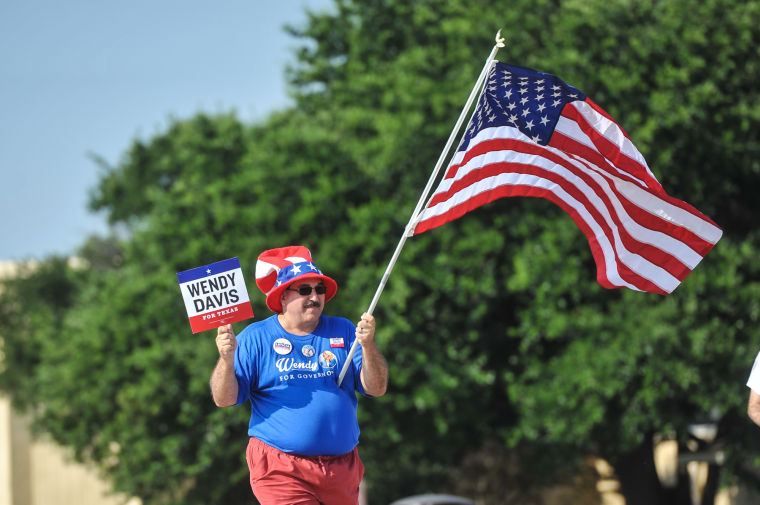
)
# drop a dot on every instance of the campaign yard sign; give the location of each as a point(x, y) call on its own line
point(215, 295)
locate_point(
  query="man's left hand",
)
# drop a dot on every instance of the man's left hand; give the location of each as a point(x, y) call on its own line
point(365, 329)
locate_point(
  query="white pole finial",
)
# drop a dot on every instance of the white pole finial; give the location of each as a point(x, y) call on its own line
point(500, 41)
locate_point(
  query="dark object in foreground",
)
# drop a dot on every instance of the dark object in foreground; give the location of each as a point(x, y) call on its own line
point(434, 499)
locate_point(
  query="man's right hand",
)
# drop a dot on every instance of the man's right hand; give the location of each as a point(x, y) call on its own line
point(224, 385)
point(226, 343)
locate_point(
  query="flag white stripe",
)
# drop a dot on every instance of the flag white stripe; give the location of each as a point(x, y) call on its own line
point(658, 239)
point(612, 132)
point(646, 200)
point(676, 215)
point(570, 129)
point(635, 262)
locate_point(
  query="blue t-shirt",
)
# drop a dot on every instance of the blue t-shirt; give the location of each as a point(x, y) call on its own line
point(292, 383)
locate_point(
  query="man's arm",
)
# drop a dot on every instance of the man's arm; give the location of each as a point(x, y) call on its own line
point(224, 385)
point(374, 373)
point(753, 407)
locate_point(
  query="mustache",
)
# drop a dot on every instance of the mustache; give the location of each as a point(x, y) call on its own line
point(312, 303)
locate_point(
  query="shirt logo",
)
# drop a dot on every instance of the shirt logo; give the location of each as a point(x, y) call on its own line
point(282, 346)
point(288, 364)
point(336, 342)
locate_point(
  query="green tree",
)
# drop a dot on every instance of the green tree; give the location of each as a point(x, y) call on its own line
point(496, 331)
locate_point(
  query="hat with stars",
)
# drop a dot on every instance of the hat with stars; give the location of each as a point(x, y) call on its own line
point(276, 269)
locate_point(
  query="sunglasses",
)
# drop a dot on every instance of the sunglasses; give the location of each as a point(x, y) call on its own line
point(306, 290)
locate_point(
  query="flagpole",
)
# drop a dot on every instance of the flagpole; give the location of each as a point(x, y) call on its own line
point(409, 229)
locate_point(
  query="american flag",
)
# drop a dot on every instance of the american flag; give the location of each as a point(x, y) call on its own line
point(532, 134)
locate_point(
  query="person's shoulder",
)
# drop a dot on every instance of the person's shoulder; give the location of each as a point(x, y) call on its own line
point(336, 322)
point(258, 330)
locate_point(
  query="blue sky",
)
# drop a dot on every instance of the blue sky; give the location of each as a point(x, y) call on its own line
point(88, 77)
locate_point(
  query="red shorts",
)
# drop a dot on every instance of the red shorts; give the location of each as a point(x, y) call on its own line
point(279, 477)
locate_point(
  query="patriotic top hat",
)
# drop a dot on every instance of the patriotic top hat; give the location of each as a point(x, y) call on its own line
point(276, 269)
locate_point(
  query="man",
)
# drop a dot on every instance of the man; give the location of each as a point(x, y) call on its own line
point(753, 405)
point(303, 427)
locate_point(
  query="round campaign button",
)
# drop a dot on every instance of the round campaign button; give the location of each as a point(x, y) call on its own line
point(327, 360)
point(282, 346)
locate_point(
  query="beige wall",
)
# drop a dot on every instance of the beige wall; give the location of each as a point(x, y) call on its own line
point(38, 472)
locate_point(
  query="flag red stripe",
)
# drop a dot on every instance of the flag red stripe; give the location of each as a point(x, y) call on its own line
point(643, 217)
point(614, 158)
point(653, 254)
point(570, 145)
point(651, 221)
point(597, 252)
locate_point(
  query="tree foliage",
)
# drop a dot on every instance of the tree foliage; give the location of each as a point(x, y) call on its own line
point(494, 326)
